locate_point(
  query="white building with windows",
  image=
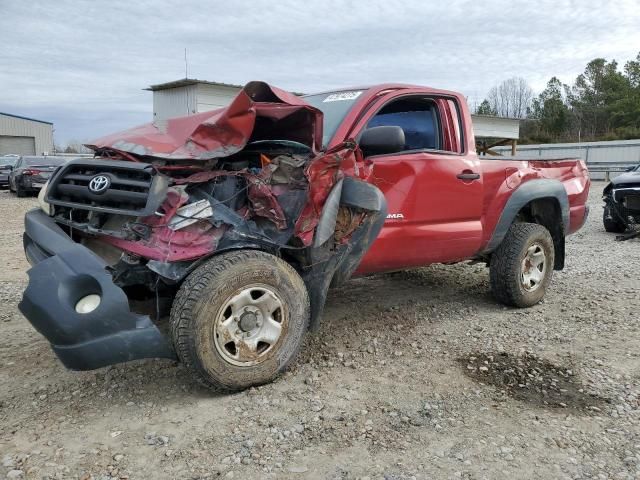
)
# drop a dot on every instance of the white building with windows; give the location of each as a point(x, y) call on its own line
point(25, 136)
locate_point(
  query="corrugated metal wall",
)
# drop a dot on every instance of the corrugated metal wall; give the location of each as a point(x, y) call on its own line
point(614, 151)
point(190, 99)
point(174, 102)
point(211, 97)
point(42, 133)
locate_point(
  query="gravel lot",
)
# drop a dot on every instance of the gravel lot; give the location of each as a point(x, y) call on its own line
point(413, 375)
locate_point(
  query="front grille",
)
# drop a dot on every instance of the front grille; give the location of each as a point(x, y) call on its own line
point(132, 188)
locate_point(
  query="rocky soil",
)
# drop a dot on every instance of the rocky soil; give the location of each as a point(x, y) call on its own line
point(413, 375)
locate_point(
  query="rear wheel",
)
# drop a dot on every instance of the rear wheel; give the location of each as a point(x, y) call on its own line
point(611, 224)
point(239, 319)
point(522, 266)
point(20, 192)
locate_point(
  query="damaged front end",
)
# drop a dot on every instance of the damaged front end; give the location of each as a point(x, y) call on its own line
point(163, 198)
point(622, 205)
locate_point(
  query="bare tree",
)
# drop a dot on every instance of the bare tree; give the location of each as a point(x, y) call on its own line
point(512, 98)
point(73, 146)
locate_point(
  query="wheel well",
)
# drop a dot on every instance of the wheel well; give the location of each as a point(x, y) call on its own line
point(546, 212)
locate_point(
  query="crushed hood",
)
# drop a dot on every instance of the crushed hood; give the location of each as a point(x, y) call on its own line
point(259, 111)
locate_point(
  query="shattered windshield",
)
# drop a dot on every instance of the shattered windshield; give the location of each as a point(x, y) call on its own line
point(334, 106)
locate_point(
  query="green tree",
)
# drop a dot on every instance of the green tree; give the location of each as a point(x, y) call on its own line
point(485, 109)
point(550, 108)
point(596, 96)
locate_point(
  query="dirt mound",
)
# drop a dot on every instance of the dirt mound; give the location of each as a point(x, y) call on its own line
point(530, 379)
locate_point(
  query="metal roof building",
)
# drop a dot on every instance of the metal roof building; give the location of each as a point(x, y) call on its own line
point(189, 96)
point(25, 136)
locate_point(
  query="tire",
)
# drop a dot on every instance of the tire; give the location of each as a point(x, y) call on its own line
point(20, 192)
point(611, 225)
point(514, 262)
point(215, 319)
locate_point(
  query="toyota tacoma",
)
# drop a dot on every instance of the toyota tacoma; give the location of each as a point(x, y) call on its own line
point(236, 222)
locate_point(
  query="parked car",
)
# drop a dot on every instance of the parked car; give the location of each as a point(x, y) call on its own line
point(30, 173)
point(7, 163)
point(622, 202)
point(242, 219)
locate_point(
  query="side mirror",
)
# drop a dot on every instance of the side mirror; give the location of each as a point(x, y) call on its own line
point(630, 169)
point(381, 140)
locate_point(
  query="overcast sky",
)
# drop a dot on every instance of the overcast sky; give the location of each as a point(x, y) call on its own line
point(83, 64)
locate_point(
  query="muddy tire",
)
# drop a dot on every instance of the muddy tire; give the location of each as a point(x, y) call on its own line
point(611, 225)
point(522, 266)
point(239, 319)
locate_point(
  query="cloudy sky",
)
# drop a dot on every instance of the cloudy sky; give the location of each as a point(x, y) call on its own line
point(83, 64)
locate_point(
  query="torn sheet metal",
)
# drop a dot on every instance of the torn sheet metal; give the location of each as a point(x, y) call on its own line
point(258, 112)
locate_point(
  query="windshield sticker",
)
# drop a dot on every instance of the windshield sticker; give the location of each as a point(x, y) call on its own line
point(339, 97)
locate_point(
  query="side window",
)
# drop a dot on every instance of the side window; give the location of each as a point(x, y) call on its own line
point(418, 117)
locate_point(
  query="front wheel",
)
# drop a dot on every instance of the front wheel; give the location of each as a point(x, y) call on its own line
point(239, 319)
point(522, 266)
point(611, 224)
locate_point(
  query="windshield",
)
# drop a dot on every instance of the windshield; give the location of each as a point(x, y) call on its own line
point(8, 161)
point(55, 161)
point(334, 106)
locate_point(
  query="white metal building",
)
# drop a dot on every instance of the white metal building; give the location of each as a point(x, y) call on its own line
point(189, 96)
point(25, 136)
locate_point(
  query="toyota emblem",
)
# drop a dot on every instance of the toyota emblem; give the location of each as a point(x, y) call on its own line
point(99, 184)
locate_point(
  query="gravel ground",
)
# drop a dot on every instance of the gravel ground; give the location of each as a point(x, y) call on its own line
point(413, 375)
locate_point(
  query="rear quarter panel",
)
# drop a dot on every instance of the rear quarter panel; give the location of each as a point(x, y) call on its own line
point(503, 176)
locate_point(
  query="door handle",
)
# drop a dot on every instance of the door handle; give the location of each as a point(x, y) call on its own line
point(468, 176)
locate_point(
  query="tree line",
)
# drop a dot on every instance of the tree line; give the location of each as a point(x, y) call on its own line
point(603, 103)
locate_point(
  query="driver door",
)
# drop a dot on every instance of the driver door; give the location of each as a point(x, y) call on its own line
point(433, 187)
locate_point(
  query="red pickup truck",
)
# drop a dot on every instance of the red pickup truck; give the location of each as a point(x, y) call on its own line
point(239, 220)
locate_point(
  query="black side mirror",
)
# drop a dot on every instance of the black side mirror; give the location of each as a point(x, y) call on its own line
point(381, 140)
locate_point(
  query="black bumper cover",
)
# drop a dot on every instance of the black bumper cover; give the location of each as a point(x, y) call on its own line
point(63, 272)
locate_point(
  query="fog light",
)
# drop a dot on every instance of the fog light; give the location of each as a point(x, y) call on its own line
point(88, 304)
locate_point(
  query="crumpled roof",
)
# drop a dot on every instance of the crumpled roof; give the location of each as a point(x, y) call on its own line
point(259, 112)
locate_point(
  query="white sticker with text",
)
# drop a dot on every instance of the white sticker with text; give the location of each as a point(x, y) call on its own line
point(340, 96)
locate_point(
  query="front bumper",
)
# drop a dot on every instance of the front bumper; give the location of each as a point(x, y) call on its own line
point(63, 272)
point(625, 204)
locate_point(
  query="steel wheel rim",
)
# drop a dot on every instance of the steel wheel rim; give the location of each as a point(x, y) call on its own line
point(533, 267)
point(249, 325)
